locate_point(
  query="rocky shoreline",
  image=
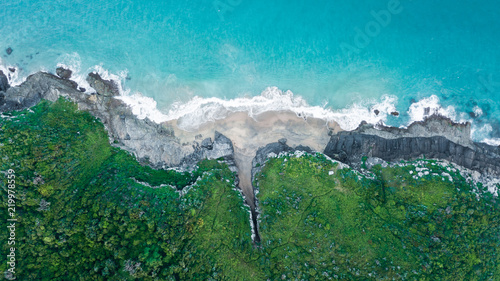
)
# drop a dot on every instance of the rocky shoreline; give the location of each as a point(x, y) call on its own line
point(152, 144)
point(435, 138)
point(157, 145)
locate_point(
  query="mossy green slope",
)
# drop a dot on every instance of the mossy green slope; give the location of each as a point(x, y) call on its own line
point(379, 226)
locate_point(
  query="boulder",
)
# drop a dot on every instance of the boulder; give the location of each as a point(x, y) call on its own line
point(207, 143)
point(4, 82)
point(107, 88)
point(64, 73)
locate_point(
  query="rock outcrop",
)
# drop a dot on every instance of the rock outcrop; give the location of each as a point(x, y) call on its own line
point(4, 82)
point(435, 138)
point(64, 73)
point(433, 125)
point(274, 148)
point(107, 88)
point(37, 87)
point(220, 148)
point(153, 144)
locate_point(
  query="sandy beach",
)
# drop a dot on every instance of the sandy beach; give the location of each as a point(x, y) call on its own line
point(249, 134)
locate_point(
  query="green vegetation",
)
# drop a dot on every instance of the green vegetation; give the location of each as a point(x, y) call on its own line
point(89, 211)
point(84, 214)
point(387, 224)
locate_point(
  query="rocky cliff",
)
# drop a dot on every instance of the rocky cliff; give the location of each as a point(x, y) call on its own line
point(153, 144)
point(434, 138)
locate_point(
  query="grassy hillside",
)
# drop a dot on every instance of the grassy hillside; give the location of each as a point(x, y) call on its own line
point(320, 222)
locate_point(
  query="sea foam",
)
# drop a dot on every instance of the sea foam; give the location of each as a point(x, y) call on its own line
point(13, 77)
point(198, 110)
point(429, 106)
point(73, 62)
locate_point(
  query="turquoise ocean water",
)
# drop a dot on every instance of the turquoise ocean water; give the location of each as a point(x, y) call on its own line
point(341, 60)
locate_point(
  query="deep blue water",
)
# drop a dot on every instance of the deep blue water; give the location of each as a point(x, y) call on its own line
point(333, 54)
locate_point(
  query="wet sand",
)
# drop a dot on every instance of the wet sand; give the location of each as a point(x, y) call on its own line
point(249, 134)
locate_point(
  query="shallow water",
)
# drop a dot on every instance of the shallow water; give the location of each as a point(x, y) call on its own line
point(339, 59)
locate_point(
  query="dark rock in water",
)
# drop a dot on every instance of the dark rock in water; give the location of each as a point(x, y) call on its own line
point(11, 69)
point(376, 111)
point(413, 101)
point(427, 111)
point(395, 113)
point(81, 89)
point(4, 82)
point(64, 73)
point(9, 50)
point(107, 88)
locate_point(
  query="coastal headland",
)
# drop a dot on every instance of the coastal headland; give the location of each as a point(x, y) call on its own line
point(245, 142)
